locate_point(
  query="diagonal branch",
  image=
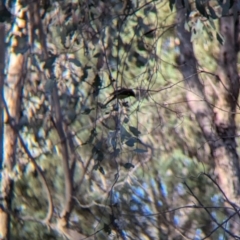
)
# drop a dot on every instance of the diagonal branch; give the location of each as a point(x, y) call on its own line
point(39, 171)
point(65, 155)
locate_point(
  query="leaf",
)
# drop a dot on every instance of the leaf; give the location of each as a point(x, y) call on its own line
point(124, 133)
point(92, 16)
point(171, 4)
point(49, 85)
point(101, 170)
point(126, 119)
point(231, 4)
point(111, 122)
point(113, 142)
point(134, 131)
point(225, 8)
point(209, 33)
point(197, 30)
point(220, 39)
point(141, 45)
point(212, 23)
point(5, 14)
point(107, 229)
point(85, 74)
point(220, 2)
point(150, 32)
point(128, 165)
point(97, 55)
point(188, 7)
point(96, 85)
point(70, 115)
point(100, 156)
point(186, 26)
point(199, 26)
point(97, 154)
point(130, 142)
point(49, 62)
point(75, 61)
point(139, 59)
point(140, 150)
point(87, 67)
point(200, 7)
point(213, 15)
point(95, 168)
point(87, 110)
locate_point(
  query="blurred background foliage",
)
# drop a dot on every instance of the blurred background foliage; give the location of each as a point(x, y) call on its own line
point(143, 171)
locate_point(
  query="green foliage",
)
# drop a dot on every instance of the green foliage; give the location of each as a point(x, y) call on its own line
point(137, 153)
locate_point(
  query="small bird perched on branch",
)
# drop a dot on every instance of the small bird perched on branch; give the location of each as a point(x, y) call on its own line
point(120, 94)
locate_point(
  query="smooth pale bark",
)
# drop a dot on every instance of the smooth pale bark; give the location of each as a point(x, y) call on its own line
point(3, 216)
point(2, 66)
point(12, 98)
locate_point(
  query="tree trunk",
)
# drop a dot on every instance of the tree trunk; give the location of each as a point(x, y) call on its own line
point(12, 102)
point(218, 124)
point(3, 216)
point(227, 169)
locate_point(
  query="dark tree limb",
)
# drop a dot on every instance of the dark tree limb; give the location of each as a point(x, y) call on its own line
point(65, 154)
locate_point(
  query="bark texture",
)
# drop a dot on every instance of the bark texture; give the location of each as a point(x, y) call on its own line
point(227, 169)
point(12, 98)
point(3, 215)
point(218, 124)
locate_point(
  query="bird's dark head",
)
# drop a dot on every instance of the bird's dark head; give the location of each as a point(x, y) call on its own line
point(123, 93)
point(130, 93)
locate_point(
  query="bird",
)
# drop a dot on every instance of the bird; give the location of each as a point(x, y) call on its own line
point(121, 94)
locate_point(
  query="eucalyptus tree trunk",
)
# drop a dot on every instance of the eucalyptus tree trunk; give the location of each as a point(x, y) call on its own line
point(3, 215)
point(217, 123)
point(11, 102)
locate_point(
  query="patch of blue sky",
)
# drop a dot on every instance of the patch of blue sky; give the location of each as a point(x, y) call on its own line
point(146, 210)
point(134, 207)
point(123, 234)
point(136, 199)
point(163, 189)
point(115, 197)
point(180, 189)
point(160, 203)
point(214, 214)
point(198, 234)
point(216, 199)
point(176, 220)
point(139, 192)
point(221, 237)
point(145, 185)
